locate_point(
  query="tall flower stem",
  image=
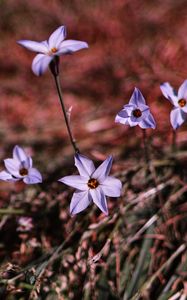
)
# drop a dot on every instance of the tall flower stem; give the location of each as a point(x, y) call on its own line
point(174, 141)
point(145, 145)
point(151, 169)
point(55, 71)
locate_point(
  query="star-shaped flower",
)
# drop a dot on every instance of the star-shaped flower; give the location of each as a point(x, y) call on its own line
point(179, 100)
point(136, 112)
point(54, 46)
point(25, 224)
point(20, 168)
point(92, 184)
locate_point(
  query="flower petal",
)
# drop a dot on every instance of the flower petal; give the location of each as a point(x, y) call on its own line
point(84, 165)
point(70, 46)
point(34, 46)
point(27, 164)
point(132, 123)
point(33, 177)
point(57, 37)
point(40, 63)
point(76, 182)
point(168, 92)
point(19, 154)
point(111, 187)
point(122, 117)
point(125, 113)
point(129, 108)
point(99, 199)
point(79, 202)
point(144, 108)
point(148, 122)
point(103, 170)
point(177, 117)
point(137, 98)
point(7, 176)
point(184, 108)
point(12, 166)
point(182, 92)
point(123, 121)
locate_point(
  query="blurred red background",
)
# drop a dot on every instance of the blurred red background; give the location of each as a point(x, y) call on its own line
point(131, 43)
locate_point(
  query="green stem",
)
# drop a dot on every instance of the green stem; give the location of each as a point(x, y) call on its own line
point(174, 140)
point(11, 211)
point(145, 145)
point(55, 72)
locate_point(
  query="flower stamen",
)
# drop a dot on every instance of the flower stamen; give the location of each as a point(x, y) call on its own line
point(53, 51)
point(137, 113)
point(92, 183)
point(23, 172)
point(182, 102)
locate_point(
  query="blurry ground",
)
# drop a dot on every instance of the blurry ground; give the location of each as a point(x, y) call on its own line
point(131, 43)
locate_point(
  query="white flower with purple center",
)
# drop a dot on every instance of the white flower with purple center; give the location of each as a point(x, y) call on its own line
point(20, 168)
point(136, 112)
point(54, 46)
point(179, 100)
point(92, 184)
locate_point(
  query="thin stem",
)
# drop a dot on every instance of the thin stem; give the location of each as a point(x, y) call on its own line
point(174, 140)
point(11, 211)
point(55, 72)
point(145, 145)
point(151, 168)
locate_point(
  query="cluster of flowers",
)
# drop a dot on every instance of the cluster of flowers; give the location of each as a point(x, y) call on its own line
point(92, 185)
point(138, 113)
point(134, 113)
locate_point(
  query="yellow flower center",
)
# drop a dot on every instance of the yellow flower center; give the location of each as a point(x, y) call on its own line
point(182, 102)
point(23, 172)
point(137, 113)
point(53, 51)
point(92, 183)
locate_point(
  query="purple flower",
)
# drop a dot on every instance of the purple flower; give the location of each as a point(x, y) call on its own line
point(20, 167)
point(136, 112)
point(92, 184)
point(25, 224)
point(179, 113)
point(54, 46)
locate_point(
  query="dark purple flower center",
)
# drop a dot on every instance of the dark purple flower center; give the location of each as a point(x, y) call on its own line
point(92, 183)
point(182, 102)
point(137, 113)
point(23, 172)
